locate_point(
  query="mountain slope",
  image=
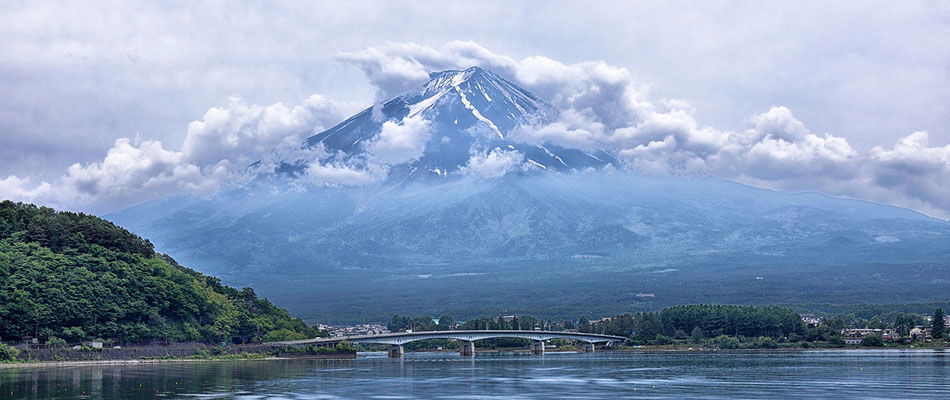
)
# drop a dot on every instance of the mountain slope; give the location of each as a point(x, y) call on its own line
point(78, 277)
point(577, 243)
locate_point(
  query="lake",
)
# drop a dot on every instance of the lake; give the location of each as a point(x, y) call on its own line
point(891, 374)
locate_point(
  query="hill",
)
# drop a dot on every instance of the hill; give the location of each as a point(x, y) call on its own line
point(77, 277)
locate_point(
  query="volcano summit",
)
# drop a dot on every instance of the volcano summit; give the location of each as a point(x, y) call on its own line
point(466, 112)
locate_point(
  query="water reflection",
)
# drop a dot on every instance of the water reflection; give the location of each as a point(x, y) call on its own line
point(820, 374)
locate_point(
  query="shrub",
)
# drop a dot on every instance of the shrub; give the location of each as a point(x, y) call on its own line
point(726, 342)
point(55, 342)
point(8, 353)
point(836, 340)
point(661, 340)
point(765, 343)
point(345, 347)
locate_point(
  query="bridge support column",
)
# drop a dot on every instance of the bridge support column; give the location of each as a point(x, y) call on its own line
point(537, 347)
point(587, 347)
point(396, 351)
point(466, 348)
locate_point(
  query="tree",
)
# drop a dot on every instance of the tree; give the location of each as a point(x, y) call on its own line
point(697, 335)
point(445, 322)
point(282, 334)
point(937, 324)
point(399, 323)
point(872, 341)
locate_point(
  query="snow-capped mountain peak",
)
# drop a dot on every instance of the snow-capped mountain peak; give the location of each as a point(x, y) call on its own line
point(467, 111)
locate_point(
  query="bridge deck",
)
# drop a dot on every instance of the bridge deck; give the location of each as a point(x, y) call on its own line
point(400, 338)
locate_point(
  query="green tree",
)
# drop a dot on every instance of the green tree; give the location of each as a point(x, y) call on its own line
point(446, 322)
point(937, 324)
point(283, 334)
point(872, 341)
point(697, 335)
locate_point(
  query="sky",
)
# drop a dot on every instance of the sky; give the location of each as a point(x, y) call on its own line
point(108, 104)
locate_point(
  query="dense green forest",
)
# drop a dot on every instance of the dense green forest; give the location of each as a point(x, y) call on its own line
point(702, 320)
point(75, 277)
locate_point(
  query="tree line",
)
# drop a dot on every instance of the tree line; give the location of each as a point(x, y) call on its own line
point(726, 326)
point(702, 321)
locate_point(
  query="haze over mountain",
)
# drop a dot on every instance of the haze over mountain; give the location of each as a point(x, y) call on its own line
point(471, 214)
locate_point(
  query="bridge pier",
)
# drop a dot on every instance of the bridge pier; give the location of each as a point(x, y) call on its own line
point(396, 351)
point(537, 347)
point(587, 347)
point(466, 348)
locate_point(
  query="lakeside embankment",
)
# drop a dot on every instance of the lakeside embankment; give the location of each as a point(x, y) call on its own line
point(76, 363)
point(174, 352)
point(257, 357)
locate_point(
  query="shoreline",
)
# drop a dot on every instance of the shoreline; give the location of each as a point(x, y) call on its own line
point(85, 363)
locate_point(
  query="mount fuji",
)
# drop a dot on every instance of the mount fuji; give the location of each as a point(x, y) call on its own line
point(569, 235)
point(466, 110)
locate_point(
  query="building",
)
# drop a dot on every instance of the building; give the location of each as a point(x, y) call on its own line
point(855, 335)
point(919, 333)
point(810, 319)
point(356, 330)
point(853, 339)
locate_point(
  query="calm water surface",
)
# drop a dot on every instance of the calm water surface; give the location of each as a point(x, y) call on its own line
point(884, 374)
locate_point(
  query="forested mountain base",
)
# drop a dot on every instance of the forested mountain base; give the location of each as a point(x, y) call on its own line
point(75, 277)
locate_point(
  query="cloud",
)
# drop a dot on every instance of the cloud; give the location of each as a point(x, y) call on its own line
point(599, 107)
point(602, 107)
point(134, 171)
point(494, 164)
point(243, 133)
point(607, 92)
point(20, 189)
point(227, 148)
point(152, 73)
point(400, 142)
point(915, 172)
point(339, 174)
point(395, 68)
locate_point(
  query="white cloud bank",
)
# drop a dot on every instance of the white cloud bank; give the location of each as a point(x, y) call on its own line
point(601, 106)
point(229, 146)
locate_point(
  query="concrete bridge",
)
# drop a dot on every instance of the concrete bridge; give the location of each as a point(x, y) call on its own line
point(466, 339)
